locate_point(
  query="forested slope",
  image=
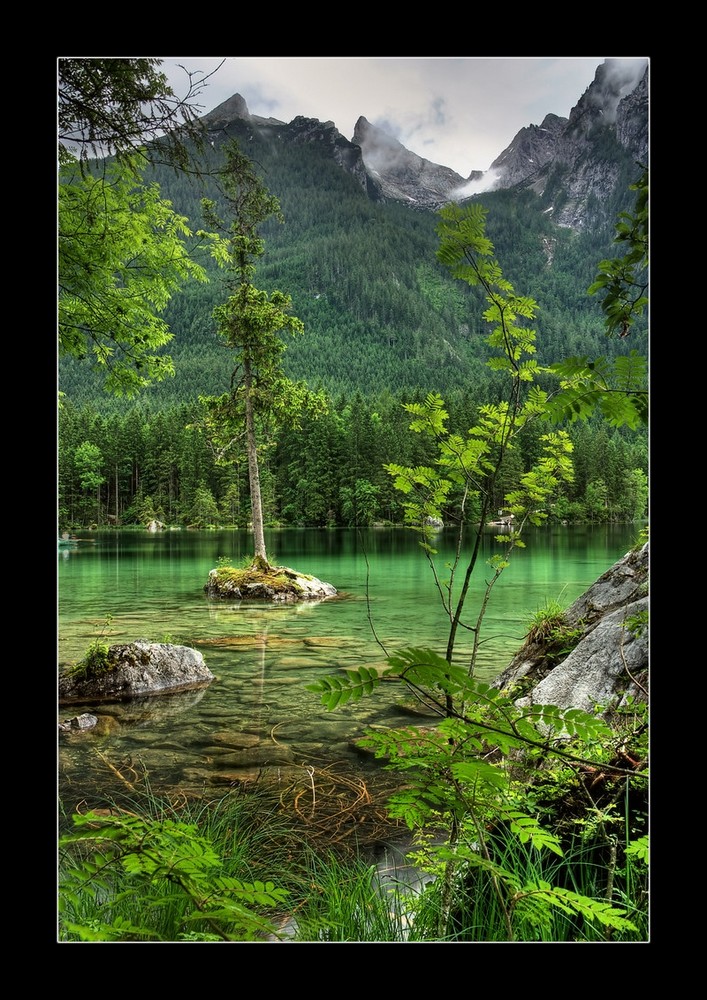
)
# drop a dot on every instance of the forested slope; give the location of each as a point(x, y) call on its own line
point(380, 313)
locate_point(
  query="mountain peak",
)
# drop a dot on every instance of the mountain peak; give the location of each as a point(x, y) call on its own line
point(375, 139)
point(561, 155)
point(401, 175)
point(568, 156)
point(234, 107)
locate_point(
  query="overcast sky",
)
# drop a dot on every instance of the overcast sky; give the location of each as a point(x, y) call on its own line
point(458, 112)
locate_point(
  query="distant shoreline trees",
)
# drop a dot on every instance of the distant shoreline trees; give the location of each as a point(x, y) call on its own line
point(328, 473)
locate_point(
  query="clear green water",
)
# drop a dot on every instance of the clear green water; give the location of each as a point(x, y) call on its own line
point(257, 716)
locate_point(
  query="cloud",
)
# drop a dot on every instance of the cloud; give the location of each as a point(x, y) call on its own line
point(486, 183)
point(619, 77)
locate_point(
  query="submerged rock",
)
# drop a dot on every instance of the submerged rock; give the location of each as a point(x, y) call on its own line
point(83, 721)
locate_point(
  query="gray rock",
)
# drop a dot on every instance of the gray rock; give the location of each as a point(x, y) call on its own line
point(610, 662)
point(625, 582)
point(83, 721)
point(603, 670)
point(137, 669)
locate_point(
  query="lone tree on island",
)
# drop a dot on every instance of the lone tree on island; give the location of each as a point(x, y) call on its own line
point(250, 322)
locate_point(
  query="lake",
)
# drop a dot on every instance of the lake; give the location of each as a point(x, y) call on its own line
point(257, 722)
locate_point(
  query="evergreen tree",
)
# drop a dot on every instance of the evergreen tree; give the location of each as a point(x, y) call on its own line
point(250, 322)
point(89, 463)
point(204, 510)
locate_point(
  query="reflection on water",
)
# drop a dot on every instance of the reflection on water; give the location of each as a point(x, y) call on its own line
point(257, 721)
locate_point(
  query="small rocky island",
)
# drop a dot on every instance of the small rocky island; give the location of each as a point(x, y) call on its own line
point(262, 581)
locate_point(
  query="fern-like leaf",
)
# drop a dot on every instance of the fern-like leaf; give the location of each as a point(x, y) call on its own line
point(336, 690)
point(591, 909)
point(528, 830)
point(639, 849)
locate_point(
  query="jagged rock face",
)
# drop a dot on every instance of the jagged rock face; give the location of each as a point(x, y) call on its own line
point(345, 153)
point(569, 156)
point(532, 149)
point(300, 130)
point(632, 121)
point(600, 103)
point(399, 175)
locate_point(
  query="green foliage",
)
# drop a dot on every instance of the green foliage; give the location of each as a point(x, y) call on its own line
point(455, 773)
point(482, 706)
point(250, 322)
point(642, 539)
point(203, 511)
point(345, 901)
point(548, 625)
point(95, 662)
point(363, 272)
point(114, 106)
point(123, 249)
point(359, 502)
point(636, 624)
point(639, 849)
point(544, 896)
point(336, 691)
point(624, 280)
point(458, 773)
point(468, 472)
point(546, 621)
point(572, 903)
point(529, 831)
point(122, 255)
point(123, 858)
point(614, 388)
point(88, 460)
point(329, 471)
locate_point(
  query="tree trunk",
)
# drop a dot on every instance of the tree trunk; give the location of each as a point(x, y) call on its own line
point(253, 471)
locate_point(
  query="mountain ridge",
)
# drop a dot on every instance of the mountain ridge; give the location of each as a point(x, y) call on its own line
point(612, 111)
